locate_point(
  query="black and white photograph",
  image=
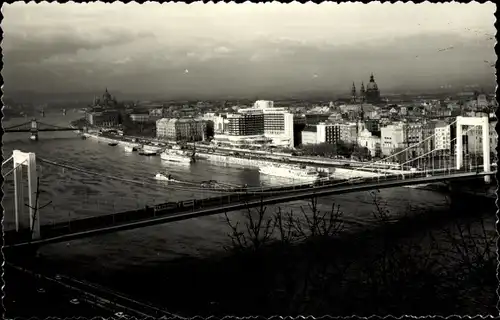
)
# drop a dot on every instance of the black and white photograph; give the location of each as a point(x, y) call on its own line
point(179, 160)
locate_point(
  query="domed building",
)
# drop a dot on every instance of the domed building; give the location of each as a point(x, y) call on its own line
point(369, 95)
point(372, 93)
point(106, 102)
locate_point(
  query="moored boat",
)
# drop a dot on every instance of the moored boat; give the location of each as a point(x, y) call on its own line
point(176, 156)
point(291, 172)
point(149, 150)
point(130, 148)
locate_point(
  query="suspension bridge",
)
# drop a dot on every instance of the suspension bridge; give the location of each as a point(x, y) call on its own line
point(34, 127)
point(427, 167)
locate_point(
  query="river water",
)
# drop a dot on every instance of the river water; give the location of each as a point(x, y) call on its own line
point(76, 194)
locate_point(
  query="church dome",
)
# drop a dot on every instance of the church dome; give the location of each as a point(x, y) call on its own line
point(106, 95)
point(372, 85)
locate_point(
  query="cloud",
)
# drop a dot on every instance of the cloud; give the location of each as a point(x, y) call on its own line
point(207, 52)
point(222, 50)
point(235, 48)
point(19, 48)
point(123, 61)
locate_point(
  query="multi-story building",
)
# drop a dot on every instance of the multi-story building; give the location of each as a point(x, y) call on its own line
point(404, 135)
point(442, 136)
point(473, 139)
point(103, 118)
point(310, 135)
point(413, 136)
point(369, 141)
point(278, 125)
point(181, 129)
point(372, 125)
point(327, 132)
point(391, 138)
point(219, 122)
point(275, 124)
point(336, 132)
point(248, 122)
point(348, 132)
point(428, 138)
point(140, 117)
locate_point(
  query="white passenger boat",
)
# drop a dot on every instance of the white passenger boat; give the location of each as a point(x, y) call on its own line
point(176, 156)
point(149, 150)
point(291, 172)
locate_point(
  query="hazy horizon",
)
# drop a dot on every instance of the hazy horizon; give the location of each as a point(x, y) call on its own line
point(244, 49)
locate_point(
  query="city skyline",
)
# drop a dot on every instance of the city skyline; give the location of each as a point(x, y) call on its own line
point(229, 49)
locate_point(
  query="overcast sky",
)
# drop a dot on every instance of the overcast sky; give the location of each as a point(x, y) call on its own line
point(243, 48)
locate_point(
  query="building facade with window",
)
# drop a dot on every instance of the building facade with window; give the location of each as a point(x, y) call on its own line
point(391, 138)
point(247, 122)
point(278, 125)
point(181, 129)
point(442, 136)
point(103, 118)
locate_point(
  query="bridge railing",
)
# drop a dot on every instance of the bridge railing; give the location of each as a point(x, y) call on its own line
point(109, 220)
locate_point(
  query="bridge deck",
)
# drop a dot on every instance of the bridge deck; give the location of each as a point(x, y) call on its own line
point(42, 130)
point(128, 220)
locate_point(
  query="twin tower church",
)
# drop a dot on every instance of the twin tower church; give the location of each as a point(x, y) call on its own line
point(369, 95)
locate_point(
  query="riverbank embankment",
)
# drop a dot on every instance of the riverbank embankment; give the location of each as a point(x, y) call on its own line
point(252, 161)
point(335, 173)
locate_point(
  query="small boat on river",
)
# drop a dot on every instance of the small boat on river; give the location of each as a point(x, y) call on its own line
point(165, 176)
point(113, 144)
point(131, 148)
point(149, 150)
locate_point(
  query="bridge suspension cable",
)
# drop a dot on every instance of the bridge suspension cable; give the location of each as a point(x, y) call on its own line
point(6, 161)
point(352, 179)
point(52, 125)
point(197, 188)
point(432, 151)
point(17, 125)
point(12, 170)
point(384, 160)
point(142, 183)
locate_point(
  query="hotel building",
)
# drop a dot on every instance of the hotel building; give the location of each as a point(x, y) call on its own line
point(248, 122)
point(259, 125)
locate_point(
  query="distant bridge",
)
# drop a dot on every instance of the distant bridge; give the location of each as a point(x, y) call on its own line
point(34, 127)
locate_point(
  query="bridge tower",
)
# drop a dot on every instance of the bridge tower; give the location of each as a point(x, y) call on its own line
point(34, 130)
point(21, 159)
point(485, 126)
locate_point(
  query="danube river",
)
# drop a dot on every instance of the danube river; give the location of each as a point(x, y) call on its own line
point(76, 194)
